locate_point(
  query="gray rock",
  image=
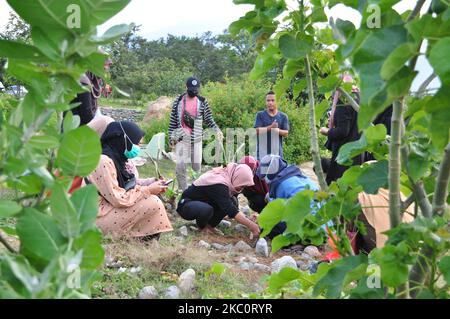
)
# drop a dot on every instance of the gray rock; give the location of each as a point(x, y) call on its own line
point(245, 266)
point(262, 248)
point(246, 210)
point(306, 257)
point(303, 265)
point(173, 292)
point(242, 246)
point(313, 251)
point(135, 270)
point(261, 267)
point(218, 246)
point(252, 259)
point(280, 263)
point(122, 269)
point(183, 231)
point(169, 206)
point(228, 247)
point(193, 228)
point(225, 224)
point(148, 292)
point(204, 244)
point(241, 229)
point(186, 281)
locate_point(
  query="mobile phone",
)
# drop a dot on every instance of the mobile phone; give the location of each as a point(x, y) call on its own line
point(170, 181)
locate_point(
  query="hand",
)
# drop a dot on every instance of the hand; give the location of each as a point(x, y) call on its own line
point(324, 130)
point(254, 228)
point(157, 188)
point(273, 125)
point(253, 217)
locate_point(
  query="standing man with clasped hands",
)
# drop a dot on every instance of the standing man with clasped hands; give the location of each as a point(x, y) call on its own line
point(271, 127)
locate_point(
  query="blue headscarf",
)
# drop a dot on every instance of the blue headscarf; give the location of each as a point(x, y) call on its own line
point(274, 170)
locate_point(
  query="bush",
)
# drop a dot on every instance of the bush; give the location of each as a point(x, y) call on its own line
point(157, 126)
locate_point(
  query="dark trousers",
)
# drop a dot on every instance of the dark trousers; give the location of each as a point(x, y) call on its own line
point(203, 213)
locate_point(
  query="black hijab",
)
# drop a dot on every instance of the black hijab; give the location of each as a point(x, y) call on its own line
point(113, 146)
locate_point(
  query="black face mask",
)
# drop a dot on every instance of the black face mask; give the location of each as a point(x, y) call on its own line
point(192, 93)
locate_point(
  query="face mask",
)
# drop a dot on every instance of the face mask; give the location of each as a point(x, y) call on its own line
point(135, 150)
point(192, 93)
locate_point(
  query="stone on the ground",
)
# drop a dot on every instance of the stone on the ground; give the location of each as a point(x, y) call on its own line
point(245, 265)
point(260, 267)
point(135, 270)
point(283, 262)
point(122, 269)
point(173, 292)
point(252, 259)
point(204, 244)
point(183, 231)
point(225, 224)
point(246, 210)
point(168, 207)
point(306, 257)
point(218, 246)
point(304, 265)
point(241, 229)
point(186, 281)
point(262, 248)
point(242, 246)
point(313, 251)
point(148, 292)
point(193, 228)
point(228, 247)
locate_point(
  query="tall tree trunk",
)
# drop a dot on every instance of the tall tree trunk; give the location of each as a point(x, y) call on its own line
point(395, 164)
point(312, 126)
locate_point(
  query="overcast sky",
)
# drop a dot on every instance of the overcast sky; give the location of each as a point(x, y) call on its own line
point(194, 17)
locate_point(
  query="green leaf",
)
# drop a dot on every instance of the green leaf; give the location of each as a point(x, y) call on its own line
point(64, 212)
point(299, 87)
point(444, 267)
point(93, 253)
point(394, 271)
point(339, 274)
point(281, 87)
point(368, 60)
point(374, 177)
point(440, 117)
point(265, 61)
point(279, 242)
point(52, 44)
point(294, 48)
point(70, 122)
point(85, 201)
point(9, 208)
point(375, 134)
point(292, 67)
point(438, 54)
point(397, 59)
point(19, 51)
point(43, 142)
point(112, 34)
point(282, 278)
point(271, 215)
point(350, 150)
point(80, 152)
point(217, 269)
point(51, 15)
point(320, 109)
point(296, 210)
point(39, 235)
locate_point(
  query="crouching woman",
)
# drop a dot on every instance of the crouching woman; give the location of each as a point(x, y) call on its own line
point(128, 205)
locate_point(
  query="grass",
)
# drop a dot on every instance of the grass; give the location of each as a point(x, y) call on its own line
point(162, 262)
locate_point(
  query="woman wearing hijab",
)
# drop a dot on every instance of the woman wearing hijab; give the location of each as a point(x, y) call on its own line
point(210, 198)
point(342, 129)
point(128, 205)
point(256, 194)
point(284, 181)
